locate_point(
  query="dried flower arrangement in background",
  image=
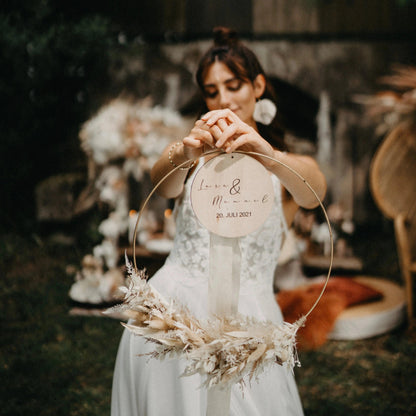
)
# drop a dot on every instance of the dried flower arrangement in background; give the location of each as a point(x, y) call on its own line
point(390, 107)
point(122, 140)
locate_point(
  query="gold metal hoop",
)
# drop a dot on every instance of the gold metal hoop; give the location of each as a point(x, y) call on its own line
point(218, 152)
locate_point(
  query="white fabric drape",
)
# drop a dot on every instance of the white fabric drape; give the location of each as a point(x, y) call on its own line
point(223, 294)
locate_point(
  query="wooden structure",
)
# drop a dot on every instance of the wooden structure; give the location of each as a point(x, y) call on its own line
point(393, 184)
point(171, 18)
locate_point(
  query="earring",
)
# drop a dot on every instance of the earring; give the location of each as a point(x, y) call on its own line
point(264, 111)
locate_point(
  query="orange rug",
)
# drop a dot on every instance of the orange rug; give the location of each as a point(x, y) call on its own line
point(340, 293)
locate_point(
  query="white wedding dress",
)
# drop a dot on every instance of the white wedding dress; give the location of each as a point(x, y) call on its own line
point(149, 387)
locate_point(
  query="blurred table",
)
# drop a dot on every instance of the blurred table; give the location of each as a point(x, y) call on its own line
point(321, 262)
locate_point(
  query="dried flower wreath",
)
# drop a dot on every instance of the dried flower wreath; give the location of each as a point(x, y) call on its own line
point(224, 350)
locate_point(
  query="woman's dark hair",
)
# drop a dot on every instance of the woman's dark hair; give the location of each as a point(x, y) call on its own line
point(243, 63)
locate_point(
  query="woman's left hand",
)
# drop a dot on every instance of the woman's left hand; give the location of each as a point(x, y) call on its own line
point(231, 133)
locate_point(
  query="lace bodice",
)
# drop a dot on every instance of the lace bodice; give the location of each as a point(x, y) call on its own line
point(259, 250)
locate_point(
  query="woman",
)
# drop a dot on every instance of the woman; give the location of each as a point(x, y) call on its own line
point(231, 81)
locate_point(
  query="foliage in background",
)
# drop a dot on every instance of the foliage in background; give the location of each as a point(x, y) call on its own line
point(53, 70)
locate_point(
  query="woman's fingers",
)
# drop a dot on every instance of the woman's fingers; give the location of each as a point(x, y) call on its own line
point(212, 117)
point(216, 132)
point(227, 135)
point(192, 142)
point(240, 141)
point(222, 124)
point(202, 134)
point(231, 134)
point(209, 134)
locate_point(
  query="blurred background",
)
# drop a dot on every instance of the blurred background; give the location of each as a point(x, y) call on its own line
point(91, 91)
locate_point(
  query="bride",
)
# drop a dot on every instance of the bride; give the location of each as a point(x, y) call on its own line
point(233, 83)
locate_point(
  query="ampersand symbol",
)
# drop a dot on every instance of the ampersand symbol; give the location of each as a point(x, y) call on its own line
point(235, 189)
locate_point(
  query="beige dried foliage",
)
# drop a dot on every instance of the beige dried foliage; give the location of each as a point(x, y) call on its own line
point(223, 350)
point(396, 104)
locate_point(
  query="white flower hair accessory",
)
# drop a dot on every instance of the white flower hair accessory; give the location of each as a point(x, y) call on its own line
point(264, 111)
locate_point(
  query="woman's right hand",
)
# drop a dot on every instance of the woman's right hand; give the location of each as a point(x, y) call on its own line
point(198, 139)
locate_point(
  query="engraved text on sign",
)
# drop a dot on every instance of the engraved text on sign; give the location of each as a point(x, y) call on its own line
point(232, 195)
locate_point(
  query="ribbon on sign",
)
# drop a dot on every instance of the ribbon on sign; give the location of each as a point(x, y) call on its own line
point(231, 195)
point(223, 294)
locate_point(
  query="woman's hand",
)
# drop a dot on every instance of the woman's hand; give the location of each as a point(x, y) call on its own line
point(199, 138)
point(231, 133)
point(193, 145)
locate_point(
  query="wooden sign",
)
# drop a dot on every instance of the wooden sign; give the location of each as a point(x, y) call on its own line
point(232, 195)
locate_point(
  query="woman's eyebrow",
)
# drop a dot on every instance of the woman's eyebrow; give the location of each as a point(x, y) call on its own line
point(227, 81)
point(231, 80)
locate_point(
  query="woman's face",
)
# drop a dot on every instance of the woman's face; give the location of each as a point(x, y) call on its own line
point(223, 90)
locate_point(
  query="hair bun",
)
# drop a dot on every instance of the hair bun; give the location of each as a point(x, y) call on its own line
point(224, 36)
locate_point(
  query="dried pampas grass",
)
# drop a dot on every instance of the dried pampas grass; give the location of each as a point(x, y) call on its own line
point(223, 350)
point(396, 104)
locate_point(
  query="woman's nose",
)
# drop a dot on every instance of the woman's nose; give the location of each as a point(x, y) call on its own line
point(224, 99)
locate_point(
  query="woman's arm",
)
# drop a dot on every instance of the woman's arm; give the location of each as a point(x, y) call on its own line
point(307, 168)
point(172, 186)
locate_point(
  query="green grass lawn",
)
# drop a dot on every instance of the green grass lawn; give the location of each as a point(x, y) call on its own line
point(56, 364)
point(51, 363)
